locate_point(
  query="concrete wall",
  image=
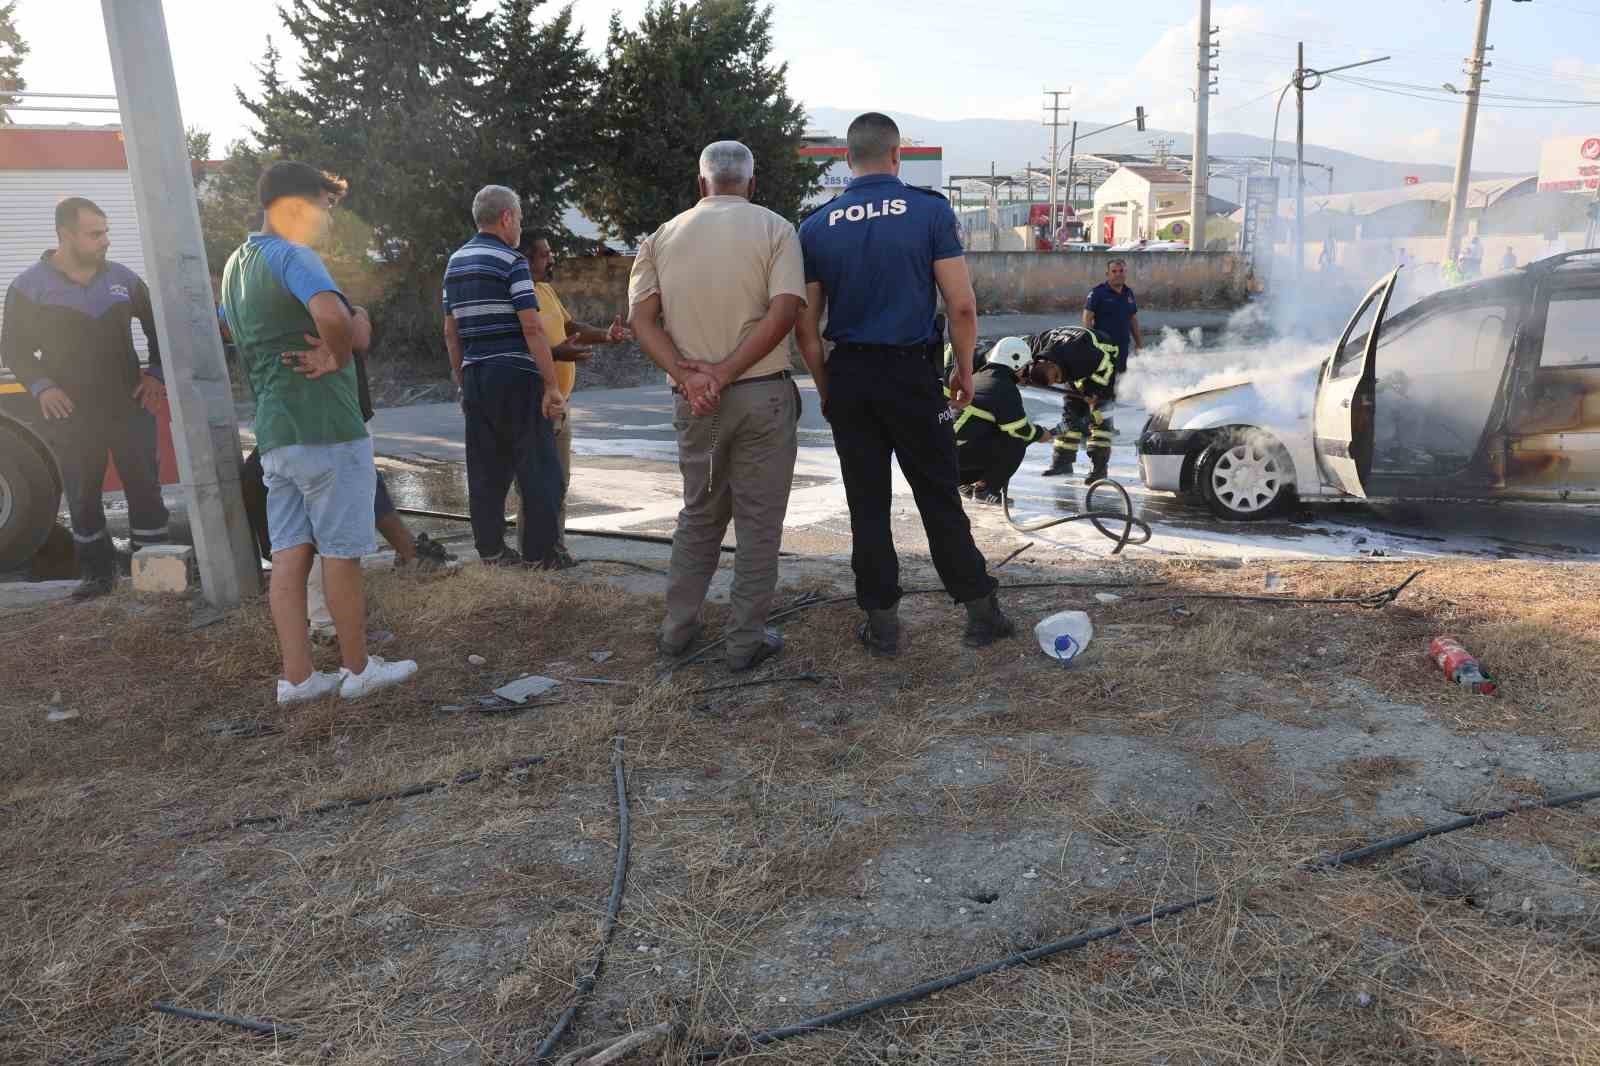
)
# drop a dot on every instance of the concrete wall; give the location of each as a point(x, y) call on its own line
point(1036, 281)
point(595, 288)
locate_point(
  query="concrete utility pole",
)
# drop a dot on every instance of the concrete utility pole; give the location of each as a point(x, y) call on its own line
point(1055, 149)
point(1469, 126)
point(1300, 164)
point(1199, 191)
point(205, 430)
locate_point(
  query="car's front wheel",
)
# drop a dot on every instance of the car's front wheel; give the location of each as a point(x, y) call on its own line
point(1243, 476)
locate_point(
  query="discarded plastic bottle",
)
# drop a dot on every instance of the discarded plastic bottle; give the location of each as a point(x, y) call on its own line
point(1460, 666)
point(1065, 635)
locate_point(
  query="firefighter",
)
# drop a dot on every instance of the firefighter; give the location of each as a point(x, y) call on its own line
point(1085, 363)
point(993, 431)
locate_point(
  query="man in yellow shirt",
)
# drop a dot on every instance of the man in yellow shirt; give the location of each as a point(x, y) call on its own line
point(569, 343)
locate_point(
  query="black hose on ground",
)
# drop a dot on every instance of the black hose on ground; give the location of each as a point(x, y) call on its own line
point(254, 1025)
point(1097, 518)
point(619, 878)
point(814, 679)
point(511, 520)
point(1394, 843)
point(928, 988)
point(1372, 601)
point(464, 778)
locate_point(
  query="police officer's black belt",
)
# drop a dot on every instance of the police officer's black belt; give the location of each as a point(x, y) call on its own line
point(850, 348)
point(782, 375)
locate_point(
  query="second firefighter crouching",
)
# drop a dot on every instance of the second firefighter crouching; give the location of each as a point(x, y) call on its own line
point(993, 432)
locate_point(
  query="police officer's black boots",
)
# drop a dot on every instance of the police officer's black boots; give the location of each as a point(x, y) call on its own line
point(881, 632)
point(986, 623)
point(1060, 463)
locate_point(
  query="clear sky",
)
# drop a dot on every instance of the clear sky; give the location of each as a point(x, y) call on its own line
point(975, 61)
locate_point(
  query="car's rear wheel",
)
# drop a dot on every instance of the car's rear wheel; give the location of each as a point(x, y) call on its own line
point(29, 499)
point(1243, 476)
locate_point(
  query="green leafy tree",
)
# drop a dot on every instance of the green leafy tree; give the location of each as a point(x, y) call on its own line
point(198, 142)
point(385, 99)
point(692, 73)
point(537, 125)
point(13, 50)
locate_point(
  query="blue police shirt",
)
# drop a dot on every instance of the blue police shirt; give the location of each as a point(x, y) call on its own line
point(1113, 314)
point(873, 248)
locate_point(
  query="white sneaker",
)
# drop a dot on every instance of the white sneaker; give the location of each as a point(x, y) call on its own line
point(379, 673)
point(316, 686)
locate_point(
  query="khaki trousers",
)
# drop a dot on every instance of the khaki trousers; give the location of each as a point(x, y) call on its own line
point(737, 464)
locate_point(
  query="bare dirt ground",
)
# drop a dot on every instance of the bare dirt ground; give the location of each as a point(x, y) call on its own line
point(799, 846)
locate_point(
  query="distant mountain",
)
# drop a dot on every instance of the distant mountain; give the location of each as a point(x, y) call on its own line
point(972, 145)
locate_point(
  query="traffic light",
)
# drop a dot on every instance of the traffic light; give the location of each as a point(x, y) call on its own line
point(1138, 119)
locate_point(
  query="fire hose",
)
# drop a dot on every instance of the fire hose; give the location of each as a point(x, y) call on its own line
point(1097, 518)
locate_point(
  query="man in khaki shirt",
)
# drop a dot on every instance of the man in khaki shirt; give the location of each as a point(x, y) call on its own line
point(714, 293)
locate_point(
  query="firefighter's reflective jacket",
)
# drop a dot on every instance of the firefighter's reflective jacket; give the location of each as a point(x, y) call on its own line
point(996, 407)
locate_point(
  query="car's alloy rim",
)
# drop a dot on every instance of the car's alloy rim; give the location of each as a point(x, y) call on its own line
point(1247, 478)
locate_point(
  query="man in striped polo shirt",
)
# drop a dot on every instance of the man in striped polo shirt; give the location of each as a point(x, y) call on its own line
point(501, 359)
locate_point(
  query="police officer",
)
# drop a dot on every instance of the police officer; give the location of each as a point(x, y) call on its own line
point(1087, 364)
point(993, 431)
point(874, 256)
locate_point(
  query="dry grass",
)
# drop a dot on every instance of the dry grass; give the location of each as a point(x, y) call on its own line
point(775, 830)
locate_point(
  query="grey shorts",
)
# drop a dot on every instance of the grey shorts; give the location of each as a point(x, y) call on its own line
point(322, 494)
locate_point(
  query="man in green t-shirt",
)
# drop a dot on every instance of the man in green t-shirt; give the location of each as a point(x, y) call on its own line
point(316, 457)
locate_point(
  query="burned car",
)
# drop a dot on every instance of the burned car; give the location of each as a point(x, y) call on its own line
point(1487, 389)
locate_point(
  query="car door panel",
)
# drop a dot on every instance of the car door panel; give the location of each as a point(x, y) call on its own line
point(1554, 431)
point(1342, 423)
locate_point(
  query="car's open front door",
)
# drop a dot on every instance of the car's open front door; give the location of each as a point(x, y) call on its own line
point(1346, 395)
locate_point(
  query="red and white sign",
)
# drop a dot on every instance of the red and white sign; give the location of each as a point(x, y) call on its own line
point(1109, 226)
point(1412, 179)
point(1570, 164)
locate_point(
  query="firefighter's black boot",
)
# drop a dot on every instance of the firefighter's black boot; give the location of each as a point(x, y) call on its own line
point(1061, 462)
point(881, 632)
point(1100, 458)
point(97, 561)
point(986, 623)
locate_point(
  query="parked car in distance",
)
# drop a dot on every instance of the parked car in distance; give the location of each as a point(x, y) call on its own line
point(1083, 246)
point(1150, 246)
point(1486, 389)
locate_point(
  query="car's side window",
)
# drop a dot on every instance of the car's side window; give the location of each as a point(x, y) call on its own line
point(1572, 329)
point(1347, 363)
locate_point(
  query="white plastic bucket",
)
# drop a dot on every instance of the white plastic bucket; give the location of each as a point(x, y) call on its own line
point(1064, 635)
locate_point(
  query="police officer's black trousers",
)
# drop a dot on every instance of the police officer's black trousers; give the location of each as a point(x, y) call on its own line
point(992, 460)
point(508, 438)
point(881, 405)
point(118, 425)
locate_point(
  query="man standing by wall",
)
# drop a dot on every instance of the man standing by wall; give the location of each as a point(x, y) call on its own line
point(1112, 312)
point(714, 292)
point(500, 357)
point(316, 456)
point(874, 256)
point(569, 342)
point(69, 338)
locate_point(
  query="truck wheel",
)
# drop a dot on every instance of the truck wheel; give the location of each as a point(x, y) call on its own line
point(29, 499)
point(1243, 476)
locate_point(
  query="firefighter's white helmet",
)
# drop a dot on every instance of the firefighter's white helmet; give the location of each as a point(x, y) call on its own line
point(1011, 352)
